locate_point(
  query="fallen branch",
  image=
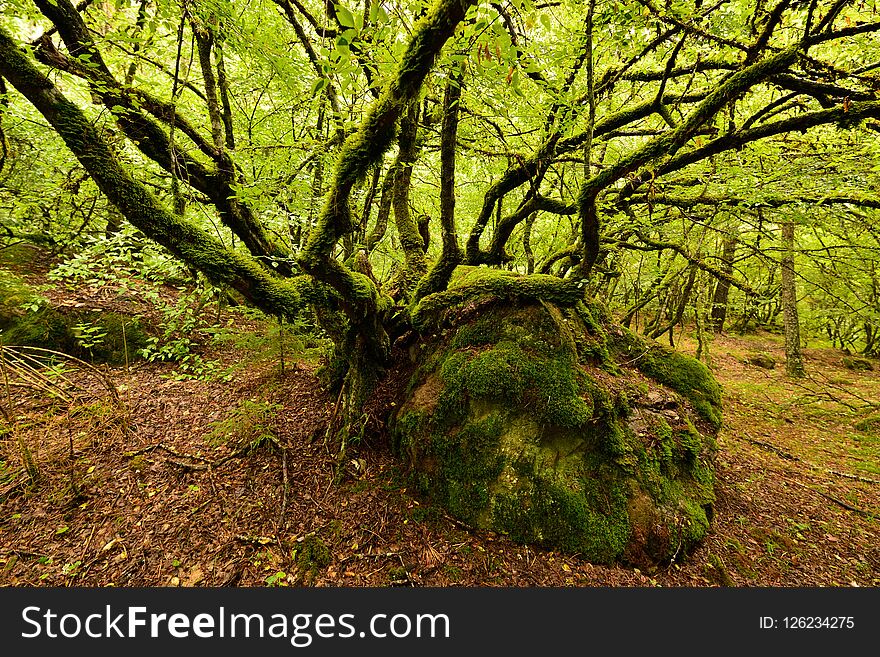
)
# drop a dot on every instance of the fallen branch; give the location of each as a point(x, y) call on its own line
point(25, 553)
point(851, 476)
point(772, 448)
point(174, 452)
point(791, 457)
point(189, 466)
point(284, 489)
point(848, 507)
point(255, 540)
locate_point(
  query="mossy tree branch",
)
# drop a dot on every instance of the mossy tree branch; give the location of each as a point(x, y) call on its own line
point(528, 168)
point(365, 147)
point(152, 140)
point(700, 263)
point(511, 179)
point(668, 143)
point(438, 277)
point(305, 42)
point(222, 266)
point(204, 36)
point(500, 285)
point(767, 202)
point(844, 114)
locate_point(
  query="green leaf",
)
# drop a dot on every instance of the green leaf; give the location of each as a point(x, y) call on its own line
point(345, 17)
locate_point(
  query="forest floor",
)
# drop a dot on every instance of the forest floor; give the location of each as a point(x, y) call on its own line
point(209, 483)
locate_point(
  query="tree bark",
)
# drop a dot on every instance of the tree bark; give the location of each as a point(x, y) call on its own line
point(794, 364)
point(222, 266)
point(411, 240)
point(722, 287)
point(450, 256)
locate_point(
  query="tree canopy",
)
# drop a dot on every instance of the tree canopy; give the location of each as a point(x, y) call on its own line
point(347, 158)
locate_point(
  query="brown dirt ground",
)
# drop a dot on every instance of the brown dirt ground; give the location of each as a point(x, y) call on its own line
point(151, 497)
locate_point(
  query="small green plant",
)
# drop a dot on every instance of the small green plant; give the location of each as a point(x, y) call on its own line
point(33, 304)
point(248, 427)
point(102, 260)
point(278, 579)
point(181, 324)
point(71, 569)
point(27, 458)
point(89, 336)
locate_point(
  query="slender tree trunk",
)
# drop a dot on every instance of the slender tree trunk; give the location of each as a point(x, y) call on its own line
point(722, 288)
point(450, 254)
point(527, 243)
point(138, 30)
point(678, 314)
point(407, 226)
point(383, 212)
point(794, 364)
point(303, 232)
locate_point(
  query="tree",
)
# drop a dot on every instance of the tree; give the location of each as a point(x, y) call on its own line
point(794, 364)
point(563, 138)
point(691, 69)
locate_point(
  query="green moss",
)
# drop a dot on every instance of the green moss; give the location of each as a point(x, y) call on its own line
point(509, 372)
point(478, 333)
point(112, 347)
point(312, 555)
point(48, 328)
point(45, 328)
point(592, 343)
point(407, 427)
point(16, 298)
point(465, 465)
point(683, 374)
point(529, 438)
point(568, 518)
point(857, 364)
point(690, 443)
point(480, 282)
point(870, 425)
point(622, 404)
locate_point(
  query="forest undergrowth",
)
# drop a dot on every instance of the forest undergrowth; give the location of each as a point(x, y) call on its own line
point(228, 478)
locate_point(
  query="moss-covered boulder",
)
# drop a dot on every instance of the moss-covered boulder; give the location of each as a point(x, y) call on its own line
point(763, 360)
point(28, 319)
point(16, 298)
point(556, 427)
point(858, 364)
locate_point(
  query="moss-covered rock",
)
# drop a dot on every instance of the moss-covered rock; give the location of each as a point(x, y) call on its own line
point(16, 298)
point(765, 361)
point(858, 364)
point(28, 319)
point(869, 425)
point(556, 427)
